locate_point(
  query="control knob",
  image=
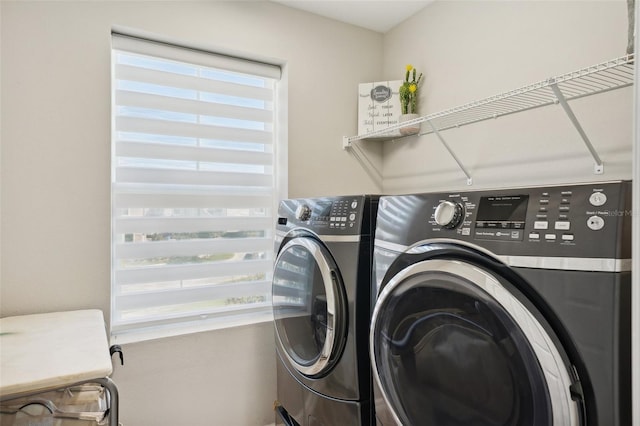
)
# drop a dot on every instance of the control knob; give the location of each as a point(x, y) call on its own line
point(448, 214)
point(303, 212)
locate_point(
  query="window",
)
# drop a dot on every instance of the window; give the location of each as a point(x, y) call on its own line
point(195, 184)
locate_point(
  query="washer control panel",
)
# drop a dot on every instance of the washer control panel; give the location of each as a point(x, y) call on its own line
point(579, 220)
point(341, 215)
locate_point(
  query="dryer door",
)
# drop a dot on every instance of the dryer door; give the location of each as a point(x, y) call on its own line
point(450, 345)
point(309, 307)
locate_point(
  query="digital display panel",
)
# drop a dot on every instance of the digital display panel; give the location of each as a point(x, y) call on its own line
point(322, 209)
point(511, 208)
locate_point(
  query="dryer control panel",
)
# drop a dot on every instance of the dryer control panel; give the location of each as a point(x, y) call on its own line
point(586, 220)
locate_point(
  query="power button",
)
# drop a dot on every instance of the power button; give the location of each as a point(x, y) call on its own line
point(597, 199)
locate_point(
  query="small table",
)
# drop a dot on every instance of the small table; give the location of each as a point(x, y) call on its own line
point(43, 352)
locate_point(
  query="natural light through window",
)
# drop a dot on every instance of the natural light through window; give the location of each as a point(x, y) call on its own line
point(194, 190)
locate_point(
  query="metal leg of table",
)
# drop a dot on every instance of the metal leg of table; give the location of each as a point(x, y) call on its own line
point(113, 399)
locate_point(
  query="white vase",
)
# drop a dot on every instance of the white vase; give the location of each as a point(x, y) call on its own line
point(410, 129)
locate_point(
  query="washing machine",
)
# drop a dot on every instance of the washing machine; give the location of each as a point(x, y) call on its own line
point(321, 306)
point(503, 307)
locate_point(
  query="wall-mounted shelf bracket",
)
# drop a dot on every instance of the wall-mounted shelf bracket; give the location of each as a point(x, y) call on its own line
point(598, 167)
point(346, 142)
point(453, 154)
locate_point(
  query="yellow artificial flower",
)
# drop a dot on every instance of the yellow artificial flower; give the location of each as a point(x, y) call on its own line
point(409, 90)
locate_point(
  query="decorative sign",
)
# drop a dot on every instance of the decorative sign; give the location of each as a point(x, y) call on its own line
point(378, 105)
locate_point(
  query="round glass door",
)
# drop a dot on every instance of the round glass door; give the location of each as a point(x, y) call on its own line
point(452, 346)
point(308, 306)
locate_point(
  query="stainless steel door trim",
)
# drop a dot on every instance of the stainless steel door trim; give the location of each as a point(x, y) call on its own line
point(280, 235)
point(328, 277)
point(534, 262)
point(565, 410)
point(340, 238)
point(568, 263)
point(398, 248)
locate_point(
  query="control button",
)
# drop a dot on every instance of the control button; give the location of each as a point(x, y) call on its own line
point(564, 208)
point(563, 225)
point(332, 219)
point(597, 199)
point(466, 231)
point(563, 217)
point(354, 204)
point(550, 237)
point(534, 236)
point(566, 193)
point(448, 214)
point(540, 224)
point(565, 201)
point(303, 212)
point(352, 216)
point(543, 209)
point(567, 237)
point(517, 225)
point(545, 194)
point(343, 218)
point(595, 223)
point(541, 216)
point(544, 201)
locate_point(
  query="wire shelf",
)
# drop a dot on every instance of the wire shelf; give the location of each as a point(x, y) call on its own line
point(606, 76)
point(610, 75)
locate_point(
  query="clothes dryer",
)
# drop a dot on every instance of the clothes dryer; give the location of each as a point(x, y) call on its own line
point(504, 307)
point(321, 305)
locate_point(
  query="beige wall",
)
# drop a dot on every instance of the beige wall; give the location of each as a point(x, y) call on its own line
point(470, 50)
point(55, 186)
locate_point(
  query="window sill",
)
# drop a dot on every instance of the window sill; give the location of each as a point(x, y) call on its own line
point(173, 330)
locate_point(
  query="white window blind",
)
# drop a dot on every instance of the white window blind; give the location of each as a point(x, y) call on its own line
point(193, 188)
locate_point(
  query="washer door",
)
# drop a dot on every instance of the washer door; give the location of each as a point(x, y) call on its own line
point(309, 307)
point(450, 345)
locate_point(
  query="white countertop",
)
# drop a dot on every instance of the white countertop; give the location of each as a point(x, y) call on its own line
point(49, 351)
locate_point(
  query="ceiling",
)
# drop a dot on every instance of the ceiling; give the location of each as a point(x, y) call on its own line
point(378, 16)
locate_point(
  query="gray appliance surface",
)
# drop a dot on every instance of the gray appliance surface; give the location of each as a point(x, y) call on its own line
point(307, 407)
point(314, 391)
point(562, 251)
